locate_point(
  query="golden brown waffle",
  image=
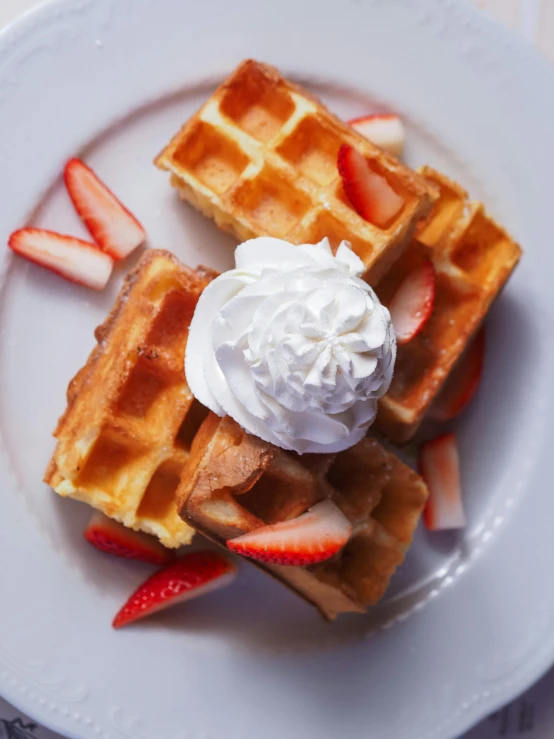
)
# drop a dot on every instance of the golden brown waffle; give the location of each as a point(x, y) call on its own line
point(473, 257)
point(234, 482)
point(131, 417)
point(260, 158)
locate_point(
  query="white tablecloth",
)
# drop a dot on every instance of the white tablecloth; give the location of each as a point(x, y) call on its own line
point(531, 715)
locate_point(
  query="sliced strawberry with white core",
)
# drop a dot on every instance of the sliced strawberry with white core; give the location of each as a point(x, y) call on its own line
point(73, 259)
point(462, 383)
point(439, 465)
point(190, 576)
point(369, 193)
point(111, 225)
point(413, 302)
point(113, 538)
point(385, 130)
point(312, 537)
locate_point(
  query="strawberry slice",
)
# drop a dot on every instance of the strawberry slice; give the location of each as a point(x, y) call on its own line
point(312, 537)
point(187, 577)
point(114, 538)
point(385, 130)
point(73, 259)
point(439, 464)
point(111, 225)
point(412, 304)
point(369, 193)
point(462, 383)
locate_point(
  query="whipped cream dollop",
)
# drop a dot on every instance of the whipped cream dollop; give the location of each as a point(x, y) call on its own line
point(293, 345)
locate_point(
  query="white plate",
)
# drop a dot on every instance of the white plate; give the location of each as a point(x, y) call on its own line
point(469, 621)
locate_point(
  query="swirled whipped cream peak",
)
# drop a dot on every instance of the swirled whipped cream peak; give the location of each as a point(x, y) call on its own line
point(293, 345)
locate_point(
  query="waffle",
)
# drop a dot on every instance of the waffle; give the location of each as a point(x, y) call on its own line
point(131, 418)
point(234, 482)
point(260, 158)
point(473, 257)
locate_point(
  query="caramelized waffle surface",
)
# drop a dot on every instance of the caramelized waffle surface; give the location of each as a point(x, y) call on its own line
point(260, 158)
point(234, 482)
point(131, 418)
point(473, 257)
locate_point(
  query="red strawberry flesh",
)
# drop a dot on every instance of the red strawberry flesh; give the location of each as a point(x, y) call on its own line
point(111, 224)
point(413, 302)
point(113, 538)
point(313, 537)
point(368, 192)
point(71, 258)
point(440, 468)
point(190, 576)
point(382, 129)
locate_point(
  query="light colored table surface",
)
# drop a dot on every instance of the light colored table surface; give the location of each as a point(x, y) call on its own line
point(532, 715)
point(534, 19)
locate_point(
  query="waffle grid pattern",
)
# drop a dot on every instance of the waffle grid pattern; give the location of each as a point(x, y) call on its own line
point(260, 158)
point(473, 257)
point(131, 418)
point(234, 483)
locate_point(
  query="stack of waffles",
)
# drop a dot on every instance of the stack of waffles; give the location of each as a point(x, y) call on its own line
point(136, 445)
point(260, 158)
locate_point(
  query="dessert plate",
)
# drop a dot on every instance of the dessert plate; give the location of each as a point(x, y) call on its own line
point(469, 621)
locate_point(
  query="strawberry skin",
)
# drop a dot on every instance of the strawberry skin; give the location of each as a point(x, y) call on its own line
point(462, 383)
point(439, 465)
point(71, 258)
point(313, 537)
point(369, 193)
point(413, 302)
point(189, 576)
point(385, 130)
point(111, 225)
point(113, 538)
